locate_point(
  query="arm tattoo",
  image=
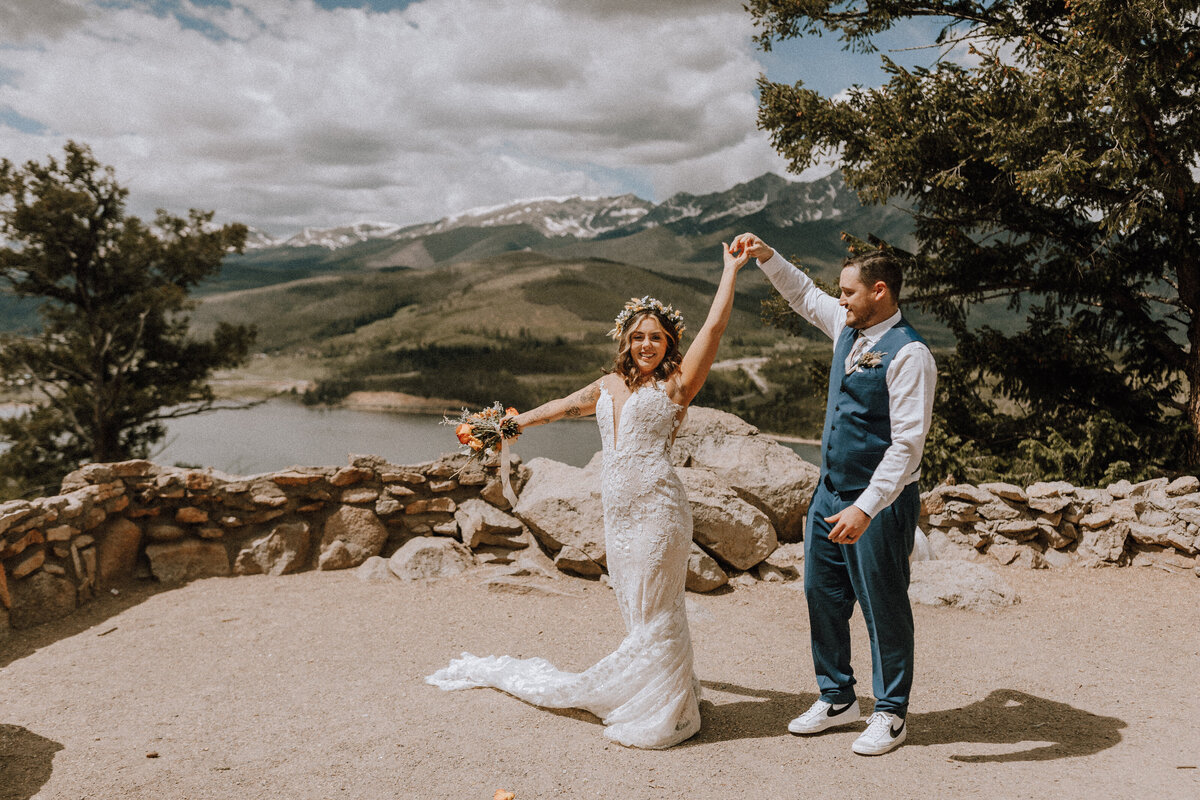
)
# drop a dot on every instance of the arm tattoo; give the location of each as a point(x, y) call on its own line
point(585, 396)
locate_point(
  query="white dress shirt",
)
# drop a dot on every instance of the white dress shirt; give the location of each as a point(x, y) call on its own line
point(911, 378)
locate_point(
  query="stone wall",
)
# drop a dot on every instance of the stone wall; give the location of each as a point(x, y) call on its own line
point(136, 520)
point(116, 522)
point(1153, 523)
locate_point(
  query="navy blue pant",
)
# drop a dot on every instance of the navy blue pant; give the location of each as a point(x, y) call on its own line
point(874, 572)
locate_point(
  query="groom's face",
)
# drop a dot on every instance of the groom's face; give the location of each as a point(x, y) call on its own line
point(860, 302)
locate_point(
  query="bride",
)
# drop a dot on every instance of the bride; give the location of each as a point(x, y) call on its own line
point(645, 691)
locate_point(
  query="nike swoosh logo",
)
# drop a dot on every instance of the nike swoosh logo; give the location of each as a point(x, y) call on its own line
point(896, 731)
point(833, 712)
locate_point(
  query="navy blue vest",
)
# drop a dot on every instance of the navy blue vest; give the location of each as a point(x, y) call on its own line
point(858, 425)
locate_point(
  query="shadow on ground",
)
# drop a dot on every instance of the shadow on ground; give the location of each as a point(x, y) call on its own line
point(24, 642)
point(1006, 716)
point(26, 760)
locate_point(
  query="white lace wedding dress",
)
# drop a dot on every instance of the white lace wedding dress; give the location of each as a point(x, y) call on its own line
point(646, 691)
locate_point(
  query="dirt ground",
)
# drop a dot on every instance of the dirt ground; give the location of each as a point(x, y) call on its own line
point(310, 686)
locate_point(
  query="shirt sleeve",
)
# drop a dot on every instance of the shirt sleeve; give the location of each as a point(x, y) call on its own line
point(803, 296)
point(911, 380)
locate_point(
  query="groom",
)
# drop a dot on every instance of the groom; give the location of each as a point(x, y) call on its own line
point(863, 516)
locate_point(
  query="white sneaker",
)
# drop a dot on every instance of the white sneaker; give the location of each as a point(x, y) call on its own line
point(884, 733)
point(824, 715)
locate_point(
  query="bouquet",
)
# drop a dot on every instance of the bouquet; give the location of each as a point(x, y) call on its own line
point(482, 432)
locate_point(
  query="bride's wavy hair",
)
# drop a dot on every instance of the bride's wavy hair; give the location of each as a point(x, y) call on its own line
point(624, 364)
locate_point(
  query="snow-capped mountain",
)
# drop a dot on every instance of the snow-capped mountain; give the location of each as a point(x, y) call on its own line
point(342, 236)
point(260, 240)
point(784, 203)
point(581, 217)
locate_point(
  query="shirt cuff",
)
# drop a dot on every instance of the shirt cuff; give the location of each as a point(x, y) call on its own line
point(870, 502)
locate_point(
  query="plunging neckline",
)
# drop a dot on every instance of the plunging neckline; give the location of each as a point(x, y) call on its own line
point(619, 416)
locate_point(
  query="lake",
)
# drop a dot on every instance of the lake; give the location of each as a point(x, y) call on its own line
point(282, 433)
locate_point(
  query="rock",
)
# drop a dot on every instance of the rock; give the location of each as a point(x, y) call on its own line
point(969, 493)
point(60, 533)
point(191, 515)
point(297, 478)
point(1149, 534)
point(763, 472)
point(360, 494)
point(572, 559)
point(13, 548)
point(174, 562)
point(385, 506)
point(1146, 488)
point(443, 486)
point(118, 550)
point(164, 532)
point(1185, 484)
point(945, 546)
point(997, 510)
point(27, 563)
point(1011, 554)
point(481, 523)
point(433, 505)
point(350, 475)
point(1103, 545)
point(1049, 505)
point(1050, 489)
point(41, 597)
point(5, 595)
point(1058, 537)
point(959, 584)
point(1020, 530)
point(430, 557)
point(1006, 491)
point(360, 533)
point(1164, 559)
point(284, 550)
point(375, 570)
point(703, 572)
point(728, 527)
point(769, 573)
point(561, 505)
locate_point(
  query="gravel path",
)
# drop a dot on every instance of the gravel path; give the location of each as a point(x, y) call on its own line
point(310, 686)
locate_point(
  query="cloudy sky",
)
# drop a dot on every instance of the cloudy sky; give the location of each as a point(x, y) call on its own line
point(287, 113)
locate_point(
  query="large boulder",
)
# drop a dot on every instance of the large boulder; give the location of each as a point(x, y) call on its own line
point(282, 551)
point(351, 536)
point(960, 584)
point(728, 527)
point(481, 523)
point(40, 598)
point(763, 472)
point(175, 562)
point(561, 505)
point(430, 557)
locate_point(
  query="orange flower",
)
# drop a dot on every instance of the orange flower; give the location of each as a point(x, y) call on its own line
point(463, 432)
point(511, 412)
point(475, 444)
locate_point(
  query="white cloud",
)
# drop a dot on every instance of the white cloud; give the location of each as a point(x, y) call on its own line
point(283, 114)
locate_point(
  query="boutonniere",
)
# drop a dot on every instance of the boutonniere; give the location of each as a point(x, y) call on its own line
point(872, 358)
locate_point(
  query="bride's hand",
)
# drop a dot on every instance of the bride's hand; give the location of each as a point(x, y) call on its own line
point(732, 261)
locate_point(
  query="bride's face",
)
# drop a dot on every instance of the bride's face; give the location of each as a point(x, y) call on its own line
point(648, 344)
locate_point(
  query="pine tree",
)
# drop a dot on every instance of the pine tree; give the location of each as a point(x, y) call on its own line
point(1050, 160)
point(113, 358)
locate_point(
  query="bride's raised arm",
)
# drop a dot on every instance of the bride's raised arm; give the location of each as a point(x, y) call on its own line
point(579, 404)
point(699, 357)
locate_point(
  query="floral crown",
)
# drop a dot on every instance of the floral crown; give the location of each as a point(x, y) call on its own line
point(647, 303)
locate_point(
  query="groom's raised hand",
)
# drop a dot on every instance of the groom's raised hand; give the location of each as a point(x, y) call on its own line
point(752, 246)
point(849, 525)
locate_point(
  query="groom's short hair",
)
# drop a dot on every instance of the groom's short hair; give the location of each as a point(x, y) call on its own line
point(879, 265)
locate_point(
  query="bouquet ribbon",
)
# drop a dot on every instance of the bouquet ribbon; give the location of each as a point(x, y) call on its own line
point(505, 470)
